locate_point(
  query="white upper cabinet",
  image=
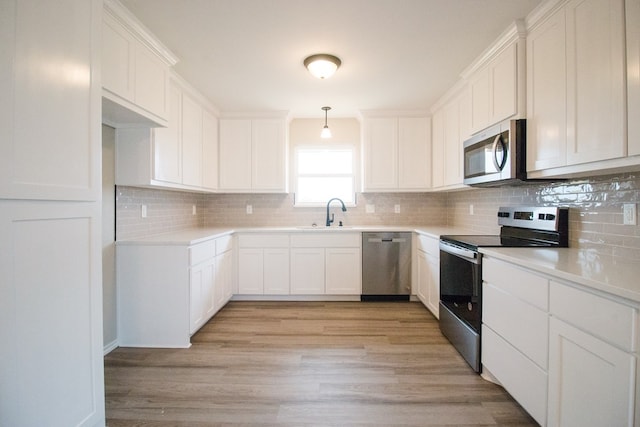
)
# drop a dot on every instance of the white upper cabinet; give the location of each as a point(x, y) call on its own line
point(547, 95)
point(450, 127)
point(633, 76)
point(135, 71)
point(49, 102)
point(496, 80)
point(253, 153)
point(396, 153)
point(181, 156)
point(576, 89)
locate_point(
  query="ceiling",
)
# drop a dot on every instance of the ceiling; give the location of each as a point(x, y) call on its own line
point(246, 55)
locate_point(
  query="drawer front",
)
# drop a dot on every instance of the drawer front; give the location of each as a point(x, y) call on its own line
point(202, 252)
point(263, 240)
point(521, 324)
point(523, 284)
point(224, 244)
point(326, 240)
point(608, 320)
point(525, 381)
point(429, 245)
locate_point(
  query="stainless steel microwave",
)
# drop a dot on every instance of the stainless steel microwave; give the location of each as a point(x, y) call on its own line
point(496, 155)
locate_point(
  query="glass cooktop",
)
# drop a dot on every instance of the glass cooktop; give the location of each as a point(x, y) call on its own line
point(475, 241)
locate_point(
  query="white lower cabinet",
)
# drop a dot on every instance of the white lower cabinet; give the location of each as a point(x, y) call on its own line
point(591, 361)
point(163, 307)
point(515, 333)
point(343, 271)
point(307, 271)
point(263, 264)
point(327, 263)
point(428, 270)
point(565, 353)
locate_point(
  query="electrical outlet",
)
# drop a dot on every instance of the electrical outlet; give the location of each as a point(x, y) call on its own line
point(629, 214)
point(470, 209)
point(193, 209)
point(143, 211)
point(396, 208)
point(370, 208)
point(249, 209)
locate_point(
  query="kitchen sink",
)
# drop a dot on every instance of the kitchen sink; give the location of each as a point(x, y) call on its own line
point(324, 228)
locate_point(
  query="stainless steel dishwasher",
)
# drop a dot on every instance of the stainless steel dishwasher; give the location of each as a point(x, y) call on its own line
point(386, 266)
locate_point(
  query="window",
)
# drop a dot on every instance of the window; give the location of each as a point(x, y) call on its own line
point(323, 173)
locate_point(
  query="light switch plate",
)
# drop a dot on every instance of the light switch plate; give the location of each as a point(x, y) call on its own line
point(630, 215)
point(396, 208)
point(143, 211)
point(249, 209)
point(193, 209)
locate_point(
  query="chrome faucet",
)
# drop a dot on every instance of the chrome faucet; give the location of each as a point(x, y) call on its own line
point(330, 220)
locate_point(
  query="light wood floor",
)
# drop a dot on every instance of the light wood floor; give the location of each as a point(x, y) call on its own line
point(306, 364)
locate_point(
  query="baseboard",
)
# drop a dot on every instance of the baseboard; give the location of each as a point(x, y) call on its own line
point(110, 347)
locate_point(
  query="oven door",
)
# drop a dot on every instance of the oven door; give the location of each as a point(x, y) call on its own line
point(460, 300)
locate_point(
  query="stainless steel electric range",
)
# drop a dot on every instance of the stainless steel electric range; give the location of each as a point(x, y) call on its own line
point(461, 269)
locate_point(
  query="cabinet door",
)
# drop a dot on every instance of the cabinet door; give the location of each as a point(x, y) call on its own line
point(224, 279)
point(343, 271)
point(480, 92)
point(196, 292)
point(307, 271)
point(381, 153)
point(437, 149)
point(118, 55)
point(209, 150)
point(503, 81)
point(268, 145)
point(276, 271)
point(423, 278)
point(191, 142)
point(590, 381)
point(49, 101)
point(167, 146)
point(433, 284)
point(452, 144)
point(546, 95)
point(414, 153)
point(633, 76)
point(250, 271)
point(235, 154)
point(595, 80)
point(151, 82)
point(209, 289)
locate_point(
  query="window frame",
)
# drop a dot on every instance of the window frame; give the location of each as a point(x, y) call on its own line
point(325, 147)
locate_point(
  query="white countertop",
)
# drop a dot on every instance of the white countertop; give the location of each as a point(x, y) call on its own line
point(198, 235)
point(586, 267)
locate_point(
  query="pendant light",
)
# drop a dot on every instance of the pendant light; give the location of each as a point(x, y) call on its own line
point(322, 65)
point(326, 132)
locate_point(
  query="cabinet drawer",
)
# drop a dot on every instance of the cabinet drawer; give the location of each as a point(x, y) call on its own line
point(516, 281)
point(263, 240)
point(608, 320)
point(201, 252)
point(521, 324)
point(224, 244)
point(326, 240)
point(429, 245)
point(525, 381)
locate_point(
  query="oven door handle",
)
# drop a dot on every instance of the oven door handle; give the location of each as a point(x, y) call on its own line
point(462, 252)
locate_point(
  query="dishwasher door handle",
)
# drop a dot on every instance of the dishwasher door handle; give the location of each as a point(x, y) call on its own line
point(380, 240)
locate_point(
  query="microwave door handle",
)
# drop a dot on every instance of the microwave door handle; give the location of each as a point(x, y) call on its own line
point(499, 165)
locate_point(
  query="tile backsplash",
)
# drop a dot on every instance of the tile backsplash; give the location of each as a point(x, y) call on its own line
point(595, 220)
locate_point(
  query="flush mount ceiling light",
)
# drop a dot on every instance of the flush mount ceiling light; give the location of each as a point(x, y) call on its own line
point(326, 132)
point(322, 65)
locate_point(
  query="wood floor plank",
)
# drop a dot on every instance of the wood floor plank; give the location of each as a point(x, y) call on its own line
point(306, 364)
